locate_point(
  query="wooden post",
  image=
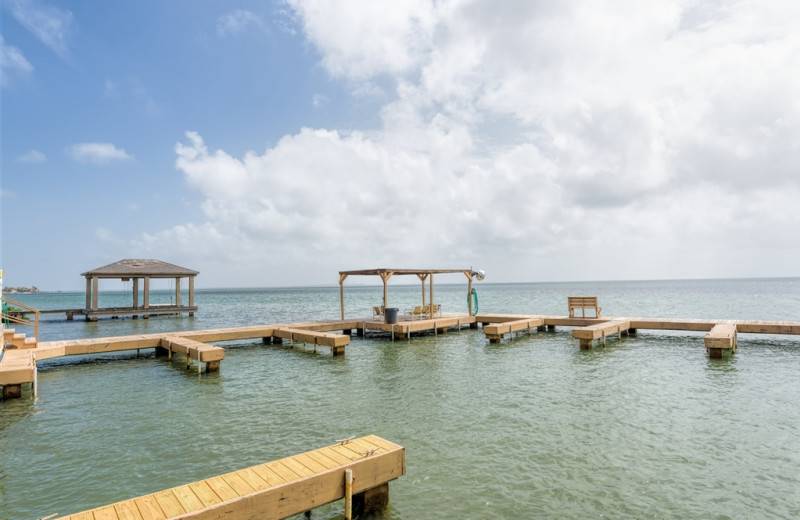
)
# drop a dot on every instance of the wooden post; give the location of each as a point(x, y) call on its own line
point(341, 292)
point(191, 294)
point(135, 293)
point(348, 494)
point(88, 292)
point(178, 292)
point(146, 295)
point(430, 307)
point(422, 278)
point(94, 292)
point(385, 277)
point(371, 501)
point(469, 292)
point(12, 391)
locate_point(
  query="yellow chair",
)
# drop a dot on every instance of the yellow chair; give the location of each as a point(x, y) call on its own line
point(414, 313)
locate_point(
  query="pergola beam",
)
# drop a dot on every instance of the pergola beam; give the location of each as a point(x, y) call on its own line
point(385, 274)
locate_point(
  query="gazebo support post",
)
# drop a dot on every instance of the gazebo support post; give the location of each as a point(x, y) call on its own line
point(146, 296)
point(191, 293)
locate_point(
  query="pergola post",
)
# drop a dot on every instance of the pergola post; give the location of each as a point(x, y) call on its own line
point(341, 292)
point(135, 293)
point(177, 291)
point(146, 294)
point(469, 292)
point(430, 309)
point(385, 277)
point(422, 278)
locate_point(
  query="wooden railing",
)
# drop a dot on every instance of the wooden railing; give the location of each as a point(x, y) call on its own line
point(14, 317)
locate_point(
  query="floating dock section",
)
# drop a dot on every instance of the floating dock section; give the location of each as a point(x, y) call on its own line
point(357, 470)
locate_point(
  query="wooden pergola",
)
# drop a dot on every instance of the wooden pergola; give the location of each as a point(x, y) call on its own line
point(145, 270)
point(422, 274)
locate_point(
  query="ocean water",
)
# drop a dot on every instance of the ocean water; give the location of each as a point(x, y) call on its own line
point(646, 427)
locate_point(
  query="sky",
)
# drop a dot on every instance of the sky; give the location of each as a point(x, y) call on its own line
point(277, 143)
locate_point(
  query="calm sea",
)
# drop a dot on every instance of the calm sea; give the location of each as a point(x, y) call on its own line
point(646, 427)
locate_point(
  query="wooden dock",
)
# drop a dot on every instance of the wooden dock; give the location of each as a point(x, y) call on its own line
point(18, 366)
point(358, 469)
point(721, 337)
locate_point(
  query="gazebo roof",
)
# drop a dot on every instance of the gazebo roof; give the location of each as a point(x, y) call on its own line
point(133, 267)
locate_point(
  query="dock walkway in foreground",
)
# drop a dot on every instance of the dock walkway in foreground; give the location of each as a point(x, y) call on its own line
point(277, 489)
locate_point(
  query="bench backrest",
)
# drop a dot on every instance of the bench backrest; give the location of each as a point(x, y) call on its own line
point(582, 301)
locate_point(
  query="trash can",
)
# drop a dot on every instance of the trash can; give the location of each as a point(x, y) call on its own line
point(391, 314)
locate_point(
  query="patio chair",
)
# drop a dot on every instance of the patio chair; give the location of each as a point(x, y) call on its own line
point(414, 313)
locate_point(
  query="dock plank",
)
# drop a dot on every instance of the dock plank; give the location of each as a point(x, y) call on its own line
point(127, 511)
point(238, 484)
point(222, 488)
point(205, 493)
point(169, 503)
point(187, 498)
point(311, 462)
point(269, 475)
point(253, 479)
point(202, 500)
point(105, 513)
point(149, 508)
point(286, 473)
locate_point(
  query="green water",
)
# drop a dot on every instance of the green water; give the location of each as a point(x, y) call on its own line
point(647, 427)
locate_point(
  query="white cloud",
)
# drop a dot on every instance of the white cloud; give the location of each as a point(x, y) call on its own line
point(48, 23)
point(238, 21)
point(319, 100)
point(98, 153)
point(33, 156)
point(12, 62)
point(543, 140)
point(361, 39)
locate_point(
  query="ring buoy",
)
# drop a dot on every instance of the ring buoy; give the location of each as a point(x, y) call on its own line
point(474, 295)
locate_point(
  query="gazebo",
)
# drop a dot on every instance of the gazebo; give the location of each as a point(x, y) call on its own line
point(136, 270)
point(423, 275)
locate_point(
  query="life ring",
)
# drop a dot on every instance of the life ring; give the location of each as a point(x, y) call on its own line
point(474, 295)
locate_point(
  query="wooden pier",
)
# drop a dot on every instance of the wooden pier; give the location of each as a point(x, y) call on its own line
point(18, 366)
point(721, 337)
point(358, 470)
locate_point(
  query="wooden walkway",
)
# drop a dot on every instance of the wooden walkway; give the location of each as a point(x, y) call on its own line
point(721, 334)
point(274, 490)
point(18, 366)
